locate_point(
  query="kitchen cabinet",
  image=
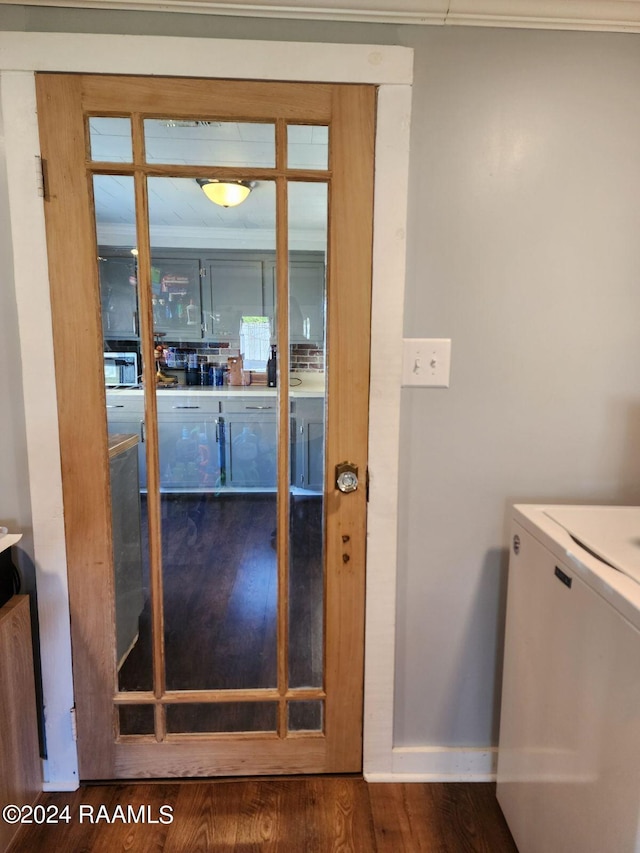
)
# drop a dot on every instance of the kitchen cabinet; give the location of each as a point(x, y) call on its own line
point(307, 295)
point(20, 768)
point(251, 444)
point(223, 441)
point(307, 301)
point(237, 284)
point(308, 473)
point(127, 545)
point(232, 288)
point(244, 284)
point(191, 456)
point(176, 297)
point(118, 296)
point(125, 415)
point(190, 439)
point(200, 295)
point(250, 426)
point(191, 451)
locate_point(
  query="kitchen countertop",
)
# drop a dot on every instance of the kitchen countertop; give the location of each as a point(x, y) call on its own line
point(312, 385)
point(119, 442)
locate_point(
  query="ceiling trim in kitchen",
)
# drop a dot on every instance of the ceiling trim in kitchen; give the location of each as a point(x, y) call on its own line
point(599, 15)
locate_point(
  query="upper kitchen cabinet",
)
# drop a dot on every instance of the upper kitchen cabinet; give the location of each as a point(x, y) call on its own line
point(306, 280)
point(244, 283)
point(176, 297)
point(307, 300)
point(119, 297)
point(232, 288)
point(204, 295)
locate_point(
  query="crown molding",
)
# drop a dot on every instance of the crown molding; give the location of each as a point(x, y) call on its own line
point(596, 15)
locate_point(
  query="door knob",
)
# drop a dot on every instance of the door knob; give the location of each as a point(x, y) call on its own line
point(347, 477)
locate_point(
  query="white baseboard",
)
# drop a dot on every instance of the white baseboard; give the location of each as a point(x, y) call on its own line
point(439, 764)
point(63, 785)
point(409, 764)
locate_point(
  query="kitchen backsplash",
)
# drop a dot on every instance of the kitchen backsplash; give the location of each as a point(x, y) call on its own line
point(306, 357)
point(303, 356)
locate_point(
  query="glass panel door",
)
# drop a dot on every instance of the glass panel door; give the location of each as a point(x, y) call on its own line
point(307, 392)
point(219, 389)
point(118, 276)
point(217, 607)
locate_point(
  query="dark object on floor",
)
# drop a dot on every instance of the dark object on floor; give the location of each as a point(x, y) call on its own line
point(9, 577)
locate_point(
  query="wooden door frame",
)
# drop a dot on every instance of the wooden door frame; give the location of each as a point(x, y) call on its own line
point(64, 101)
point(388, 67)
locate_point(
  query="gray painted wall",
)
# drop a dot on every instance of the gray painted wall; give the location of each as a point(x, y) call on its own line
point(15, 505)
point(523, 248)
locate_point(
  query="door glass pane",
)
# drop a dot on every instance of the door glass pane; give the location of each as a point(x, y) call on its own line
point(210, 143)
point(307, 298)
point(136, 719)
point(118, 285)
point(305, 716)
point(213, 294)
point(110, 139)
point(217, 439)
point(190, 450)
point(308, 146)
point(225, 717)
point(125, 415)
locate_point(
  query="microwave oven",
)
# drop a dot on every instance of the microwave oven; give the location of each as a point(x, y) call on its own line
point(120, 368)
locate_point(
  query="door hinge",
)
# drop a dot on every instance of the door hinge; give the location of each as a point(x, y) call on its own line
point(41, 177)
point(74, 724)
point(203, 272)
point(366, 484)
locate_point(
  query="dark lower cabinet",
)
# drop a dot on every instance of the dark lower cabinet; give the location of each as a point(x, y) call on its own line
point(251, 451)
point(223, 444)
point(127, 546)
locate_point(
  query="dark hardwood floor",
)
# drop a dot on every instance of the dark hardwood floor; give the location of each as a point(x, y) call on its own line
point(220, 594)
point(301, 815)
point(220, 609)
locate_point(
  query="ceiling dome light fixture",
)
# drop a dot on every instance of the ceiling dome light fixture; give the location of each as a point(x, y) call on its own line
point(225, 193)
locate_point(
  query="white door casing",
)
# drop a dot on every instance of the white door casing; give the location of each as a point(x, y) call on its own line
point(21, 54)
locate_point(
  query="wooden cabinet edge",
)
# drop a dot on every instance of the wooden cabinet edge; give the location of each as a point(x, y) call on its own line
point(20, 770)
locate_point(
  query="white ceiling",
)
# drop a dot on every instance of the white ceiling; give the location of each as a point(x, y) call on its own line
point(180, 215)
point(604, 15)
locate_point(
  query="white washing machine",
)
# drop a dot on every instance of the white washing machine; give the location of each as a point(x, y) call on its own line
point(569, 755)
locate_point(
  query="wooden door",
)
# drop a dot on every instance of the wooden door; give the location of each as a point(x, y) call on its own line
point(301, 626)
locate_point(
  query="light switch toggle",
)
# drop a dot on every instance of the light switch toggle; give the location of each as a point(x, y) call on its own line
point(426, 362)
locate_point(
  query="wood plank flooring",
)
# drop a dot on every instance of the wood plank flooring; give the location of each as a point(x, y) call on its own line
point(296, 815)
point(220, 610)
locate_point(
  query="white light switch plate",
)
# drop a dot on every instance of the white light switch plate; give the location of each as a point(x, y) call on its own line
point(426, 362)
